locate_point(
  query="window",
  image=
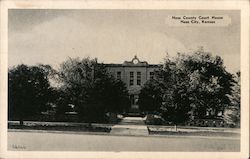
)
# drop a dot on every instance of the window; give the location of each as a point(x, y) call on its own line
point(151, 75)
point(138, 78)
point(131, 80)
point(118, 75)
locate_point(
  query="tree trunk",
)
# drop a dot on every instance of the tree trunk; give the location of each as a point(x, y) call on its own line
point(21, 122)
point(89, 125)
point(175, 127)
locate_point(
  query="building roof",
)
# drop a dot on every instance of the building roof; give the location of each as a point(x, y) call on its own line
point(135, 62)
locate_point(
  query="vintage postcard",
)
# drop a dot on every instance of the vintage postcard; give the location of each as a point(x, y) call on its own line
point(124, 79)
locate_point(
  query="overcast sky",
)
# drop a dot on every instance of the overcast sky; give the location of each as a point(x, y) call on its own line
point(113, 36)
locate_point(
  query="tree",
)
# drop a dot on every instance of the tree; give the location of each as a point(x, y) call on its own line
point(232, 113)
point(92, 90)
point(168, 93)
point(107, 95)
point(75, 78)
point(189, 85)
point(175, 82)
point(151, 96)
point(197, 82)
point(210, 83)
point(29, 92)
point(62, 102)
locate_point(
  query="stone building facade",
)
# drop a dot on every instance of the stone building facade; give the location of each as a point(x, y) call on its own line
point(134, 74)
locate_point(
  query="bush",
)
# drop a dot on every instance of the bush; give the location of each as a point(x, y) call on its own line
point(152, 119)
point(209, 123)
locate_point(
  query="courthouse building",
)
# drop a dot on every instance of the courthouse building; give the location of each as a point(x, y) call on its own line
point(134, 74)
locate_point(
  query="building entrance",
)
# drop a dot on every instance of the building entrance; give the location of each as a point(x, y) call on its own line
point(134, 101)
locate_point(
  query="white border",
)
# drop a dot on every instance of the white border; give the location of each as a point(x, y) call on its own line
point(109, 4)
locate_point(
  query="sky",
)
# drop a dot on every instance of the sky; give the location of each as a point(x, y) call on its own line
point(114, 36)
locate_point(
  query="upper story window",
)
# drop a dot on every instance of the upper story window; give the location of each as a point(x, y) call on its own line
point(151, 75)
point(131, 79)
point(138, 78)
point(118, 75)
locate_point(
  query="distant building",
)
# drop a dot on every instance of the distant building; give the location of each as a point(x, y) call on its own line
point(134, 74)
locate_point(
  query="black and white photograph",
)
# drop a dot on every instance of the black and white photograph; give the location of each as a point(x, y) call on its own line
point(125, 80)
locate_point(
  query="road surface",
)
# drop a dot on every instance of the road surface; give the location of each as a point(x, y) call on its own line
point(60, 141)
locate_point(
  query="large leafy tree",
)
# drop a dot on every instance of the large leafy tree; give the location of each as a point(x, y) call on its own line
point(92, 90)
point(199, 82)
point(107, 95)
point(168, 93)
point(29, 91)
point(75, 76)
point(175, 81)
point(151, 96)
point(190, 84)
point(211, 85)
point(232, 113)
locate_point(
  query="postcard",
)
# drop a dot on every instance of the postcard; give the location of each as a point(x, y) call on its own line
point(124, 79)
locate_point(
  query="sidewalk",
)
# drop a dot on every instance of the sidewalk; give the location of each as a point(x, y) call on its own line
point(130, 126)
